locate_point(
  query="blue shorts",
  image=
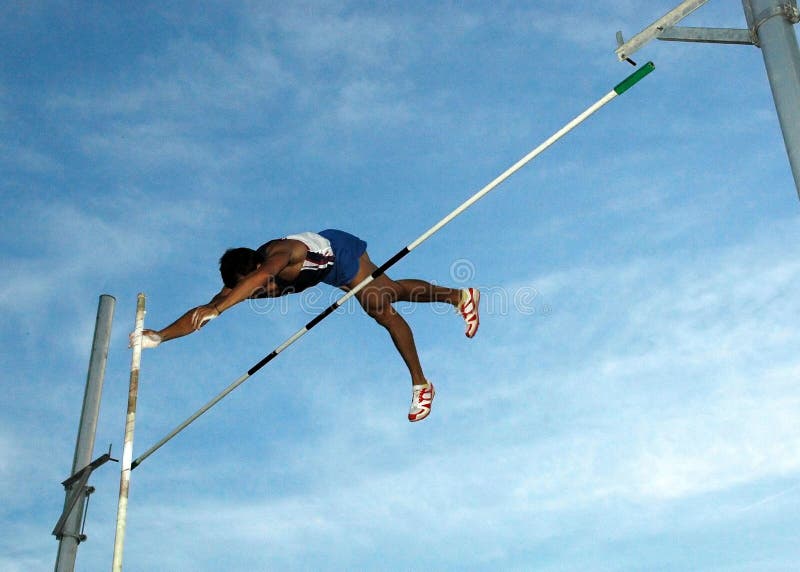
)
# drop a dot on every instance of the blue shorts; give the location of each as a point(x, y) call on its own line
point(347, 249)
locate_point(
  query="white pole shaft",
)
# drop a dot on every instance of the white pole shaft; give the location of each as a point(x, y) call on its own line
point(127, 450)
point(514, 168)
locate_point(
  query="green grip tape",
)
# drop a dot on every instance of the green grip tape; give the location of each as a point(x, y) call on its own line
point(632, 79)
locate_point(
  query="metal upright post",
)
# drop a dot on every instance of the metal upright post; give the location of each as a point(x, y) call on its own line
point(71, 535)
point(771, 23)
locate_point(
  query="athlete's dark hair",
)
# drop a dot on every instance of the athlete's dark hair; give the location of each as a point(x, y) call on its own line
point(236, 263)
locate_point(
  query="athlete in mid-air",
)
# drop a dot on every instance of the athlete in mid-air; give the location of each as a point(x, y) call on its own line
point(299, 261)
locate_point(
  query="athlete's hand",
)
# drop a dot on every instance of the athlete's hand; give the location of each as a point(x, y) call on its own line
point(202, 315)
point(150, 339)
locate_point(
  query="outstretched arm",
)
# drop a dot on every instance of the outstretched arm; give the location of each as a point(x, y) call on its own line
point(189, 321)
point(180, 327)
point(194, 319)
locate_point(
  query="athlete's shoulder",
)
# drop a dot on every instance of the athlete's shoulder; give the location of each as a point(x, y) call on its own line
point(269, 246)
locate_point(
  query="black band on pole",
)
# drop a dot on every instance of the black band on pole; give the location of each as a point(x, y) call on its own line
point(391, 262)
point(262, 363)
point(325, 313)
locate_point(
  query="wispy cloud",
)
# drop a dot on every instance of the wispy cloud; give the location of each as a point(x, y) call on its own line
point(62, 254)
point(663, 397)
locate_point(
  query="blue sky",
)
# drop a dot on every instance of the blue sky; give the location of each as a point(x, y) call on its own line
point(631, 401)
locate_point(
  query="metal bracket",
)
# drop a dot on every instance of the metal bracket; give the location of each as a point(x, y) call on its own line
point(788, 10)
point(754, 22)
point(706, 35)
point(626, 49)
point(76, 484)
point(664, 28)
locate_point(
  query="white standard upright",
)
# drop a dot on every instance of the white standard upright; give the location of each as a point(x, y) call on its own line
point(127, 450)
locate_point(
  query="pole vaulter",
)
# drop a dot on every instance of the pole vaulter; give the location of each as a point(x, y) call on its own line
point(619, 89)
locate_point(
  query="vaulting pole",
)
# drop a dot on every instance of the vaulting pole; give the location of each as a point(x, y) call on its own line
point(619, 89)
point(127, 450)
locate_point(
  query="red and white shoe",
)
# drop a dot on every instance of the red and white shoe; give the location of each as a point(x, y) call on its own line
point(421, 400)
point(468, 308)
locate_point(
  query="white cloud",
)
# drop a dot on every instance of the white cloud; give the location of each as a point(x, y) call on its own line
point(71, 248)
point(365, 103)
point(325, 35)
point(187, 80)
point(28, 159)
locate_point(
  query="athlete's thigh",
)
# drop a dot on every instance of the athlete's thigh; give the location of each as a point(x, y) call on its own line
point(379, 292)
point(365, 268)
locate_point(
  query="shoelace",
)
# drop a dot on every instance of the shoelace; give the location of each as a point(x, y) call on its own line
point(469, 302)
point(419, 394)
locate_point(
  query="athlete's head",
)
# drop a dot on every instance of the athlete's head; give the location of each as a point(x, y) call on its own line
point(237, 263)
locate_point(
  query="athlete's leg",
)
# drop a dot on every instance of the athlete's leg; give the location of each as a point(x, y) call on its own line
point(466, 300)
point(376, 298)
point(413, 290)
